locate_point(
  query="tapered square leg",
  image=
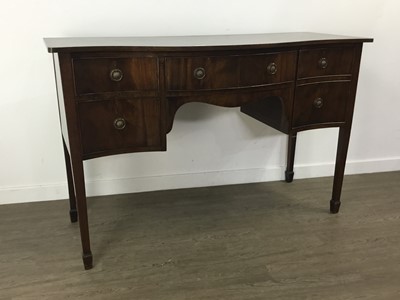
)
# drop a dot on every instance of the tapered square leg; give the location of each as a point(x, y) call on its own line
point(73, 213)
point(289, 174)
point(73, 153)
point(82, 212)
point(341, 155)
point(78, 210)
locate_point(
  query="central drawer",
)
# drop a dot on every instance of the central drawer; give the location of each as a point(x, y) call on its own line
point(224, 72)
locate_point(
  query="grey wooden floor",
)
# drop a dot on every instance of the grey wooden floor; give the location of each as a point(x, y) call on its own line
point(254, 241)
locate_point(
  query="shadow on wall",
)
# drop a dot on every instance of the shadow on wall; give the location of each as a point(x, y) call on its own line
point(241, 124)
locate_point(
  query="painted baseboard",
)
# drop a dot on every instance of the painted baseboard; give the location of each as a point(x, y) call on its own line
point(20, 194)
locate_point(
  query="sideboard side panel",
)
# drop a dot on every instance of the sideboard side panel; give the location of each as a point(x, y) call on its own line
point(60, 97)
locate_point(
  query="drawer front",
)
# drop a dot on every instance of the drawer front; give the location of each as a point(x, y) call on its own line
point(320, 103)
point(120, 124)
point(325, 62)
point(102, 75)
point(221, 72)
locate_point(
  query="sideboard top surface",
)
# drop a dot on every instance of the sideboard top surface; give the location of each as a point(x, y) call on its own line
point(200, 42)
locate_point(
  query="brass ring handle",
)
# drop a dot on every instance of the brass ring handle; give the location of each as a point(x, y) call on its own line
point(323, 63)
point(199, 73)
point(116, 75)
point(272, 68)
point(318, 103)
point(119, 123)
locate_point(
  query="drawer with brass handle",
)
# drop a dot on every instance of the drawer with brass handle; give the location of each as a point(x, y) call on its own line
point(121, 74)
point(320, 103)
point(224, 72)
point(121, 124)
point(325, 62)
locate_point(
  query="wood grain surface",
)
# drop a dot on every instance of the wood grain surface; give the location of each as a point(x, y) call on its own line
point(253, 241)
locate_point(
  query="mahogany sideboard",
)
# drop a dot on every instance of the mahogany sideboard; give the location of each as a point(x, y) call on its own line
point(120, 95)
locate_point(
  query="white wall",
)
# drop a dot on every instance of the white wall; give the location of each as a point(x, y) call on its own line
point(208, 145)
